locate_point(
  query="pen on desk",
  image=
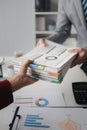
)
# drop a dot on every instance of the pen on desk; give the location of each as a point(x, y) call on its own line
point(14, 117)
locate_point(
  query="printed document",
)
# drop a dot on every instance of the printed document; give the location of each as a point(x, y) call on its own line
point(53, 119)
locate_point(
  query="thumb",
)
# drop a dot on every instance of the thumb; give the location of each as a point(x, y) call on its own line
point(25, 66)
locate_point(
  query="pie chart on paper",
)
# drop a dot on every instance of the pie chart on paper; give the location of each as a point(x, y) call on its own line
point(42, 102)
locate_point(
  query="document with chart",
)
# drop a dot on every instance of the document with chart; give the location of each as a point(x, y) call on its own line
point(50, 63)
point(42, 99)
point(52, 119)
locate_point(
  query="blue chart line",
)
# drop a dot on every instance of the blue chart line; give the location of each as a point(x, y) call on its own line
point(34, 121)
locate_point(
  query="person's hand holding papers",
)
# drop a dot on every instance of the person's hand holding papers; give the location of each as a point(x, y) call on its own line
point(21, 79)
point(81, 56)
point(18, 81)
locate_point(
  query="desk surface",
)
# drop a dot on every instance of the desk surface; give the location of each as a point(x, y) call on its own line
point(73, 75)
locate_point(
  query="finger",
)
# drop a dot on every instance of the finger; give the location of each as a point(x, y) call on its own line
point(74, 50)
point(75, 62)
point(25, 66)
point(31, 80)
point(42, 42)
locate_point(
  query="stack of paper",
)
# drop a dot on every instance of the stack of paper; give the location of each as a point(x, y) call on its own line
point(50, 62)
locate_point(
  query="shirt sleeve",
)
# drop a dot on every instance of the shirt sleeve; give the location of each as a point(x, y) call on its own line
point(6, 96)
point(63, 24)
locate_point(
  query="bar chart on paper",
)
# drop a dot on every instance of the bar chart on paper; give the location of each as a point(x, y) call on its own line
point(35, 121)
point(53, 119)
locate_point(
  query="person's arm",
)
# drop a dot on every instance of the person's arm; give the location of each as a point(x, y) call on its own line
point(63, 26)
point(6, 96)
point(7, 87)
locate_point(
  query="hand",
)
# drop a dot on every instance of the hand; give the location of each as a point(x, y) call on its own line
point(21, 79)
point(41, 42)
point(81, 56)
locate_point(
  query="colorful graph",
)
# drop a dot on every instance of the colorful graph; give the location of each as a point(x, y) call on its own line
point(42, 102)
point(35, 121)
point(24, 100)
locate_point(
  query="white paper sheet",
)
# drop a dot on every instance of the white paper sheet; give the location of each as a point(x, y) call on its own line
point(53, 119)
point(46, 99)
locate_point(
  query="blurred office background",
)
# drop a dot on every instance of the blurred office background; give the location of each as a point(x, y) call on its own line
point(16, 26)
point(23, 22)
